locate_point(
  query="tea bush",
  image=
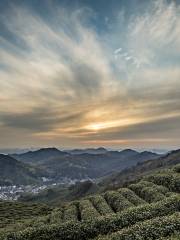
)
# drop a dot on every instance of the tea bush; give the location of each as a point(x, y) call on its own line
point(131, 196)
point(70, 213)
point(56, 215)
point(101, 225)
point(87, 210)
point(149, 191)
point(150, 229)
point(117, 201)
point(101, 205)
point(11, 212)
point(169, 180)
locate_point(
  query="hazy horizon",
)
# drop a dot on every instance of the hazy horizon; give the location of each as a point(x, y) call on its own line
point(80, 74)
point(25, 150)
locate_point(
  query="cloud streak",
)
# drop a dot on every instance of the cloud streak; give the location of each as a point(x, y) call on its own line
point(62, 82)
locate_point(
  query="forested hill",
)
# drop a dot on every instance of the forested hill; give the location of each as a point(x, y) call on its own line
point(142, 168)
point(14, 172)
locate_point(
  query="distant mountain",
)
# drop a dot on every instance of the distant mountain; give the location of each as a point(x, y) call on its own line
point(82, 164)
point(100, 150)
point(14, 172)
point(122, 179)
point(38, 156)
point(142, 168)
point(15, 150)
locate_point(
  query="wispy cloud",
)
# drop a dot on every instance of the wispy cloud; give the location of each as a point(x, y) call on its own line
point(62, 82)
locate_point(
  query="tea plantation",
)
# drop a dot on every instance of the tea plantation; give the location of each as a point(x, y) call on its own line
point(147, 209)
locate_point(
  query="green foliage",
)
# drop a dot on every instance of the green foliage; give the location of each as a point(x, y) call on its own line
point(70, 213)
point(101, 205)
point(11, 212)
point(132, 174)
point(59, 193)
point(175, 236)
point(177, 168)
point(117, 201)
point(170, 180)
point(151, 194)
point(149, 191)
point(101, 225)
point(57, 215)
point(87, 210)
point(138, 186)
point(14, 172)
point(141, 211)
point(131, 196)
point(150, 229)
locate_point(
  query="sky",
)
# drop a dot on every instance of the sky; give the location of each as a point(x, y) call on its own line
point(90, 73)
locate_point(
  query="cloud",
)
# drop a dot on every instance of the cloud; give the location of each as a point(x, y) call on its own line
point(62, 81)
point(155, 132)
point(117, 51)
point(39, 119)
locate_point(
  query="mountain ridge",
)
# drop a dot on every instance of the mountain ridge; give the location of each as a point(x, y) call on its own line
point(15, 172)
point(82, 164)
point(133, 173)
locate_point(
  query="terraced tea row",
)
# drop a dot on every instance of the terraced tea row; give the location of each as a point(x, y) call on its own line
point(101, 225)
point(95, 206)
point(11, 212)
point(149, 191)
point(110, 213)
point(170, 180)
point(150, 229)
point(110, 202)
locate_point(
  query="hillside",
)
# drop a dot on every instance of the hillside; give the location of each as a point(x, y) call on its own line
point(149, 208)
point(14, 172)
point(100, 150)
point(12, 212)
point(85, 165)
point(142, 168)
point(114, 181)
point(39, 156)
point(54, 195)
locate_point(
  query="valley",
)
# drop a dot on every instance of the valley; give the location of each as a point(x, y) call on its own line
point(33, 171)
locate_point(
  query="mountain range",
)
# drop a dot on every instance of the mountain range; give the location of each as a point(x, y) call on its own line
point(134, 173)
point(123, 178)
point(82, 164)
point(79, 164)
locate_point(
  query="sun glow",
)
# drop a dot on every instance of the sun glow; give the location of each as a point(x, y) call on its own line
point(96, 126)
point(110, 124)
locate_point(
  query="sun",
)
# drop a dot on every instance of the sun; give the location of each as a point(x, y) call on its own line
point(96, 126)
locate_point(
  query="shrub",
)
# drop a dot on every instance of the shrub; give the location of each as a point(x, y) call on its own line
point(151, 194)
point(149, 191)
point(101, 205)
point(131, 196)
point(11, 212)
point(138, 186)
point(87, 210)
point(41, 220)
point(56, 215)
point(175, 236)
point(70, 213)
point(169, 180)
point(150, 229)
point(117, 201)
point(177, 168)
point(101, 225)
